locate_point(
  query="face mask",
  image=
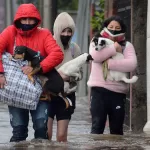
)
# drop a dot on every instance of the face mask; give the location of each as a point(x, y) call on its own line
point(65, 39)
point(115, 32)
point(26, 27)
point(117, 36)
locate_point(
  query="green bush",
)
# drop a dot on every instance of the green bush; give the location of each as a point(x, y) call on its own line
point(98, 18)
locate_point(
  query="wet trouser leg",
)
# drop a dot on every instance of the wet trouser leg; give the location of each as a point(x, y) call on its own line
point(40, 118)
point(117, 113)
point(103, 103)
point(98, 111)
point(19, 119)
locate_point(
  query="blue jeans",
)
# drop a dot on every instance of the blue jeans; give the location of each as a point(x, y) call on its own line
point(19, 119)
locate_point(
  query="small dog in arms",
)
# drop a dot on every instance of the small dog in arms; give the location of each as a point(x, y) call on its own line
point(54, 86)
point(72, 67)
point(99, 43)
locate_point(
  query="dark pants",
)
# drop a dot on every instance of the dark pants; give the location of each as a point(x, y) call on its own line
point(19, 119)
point(103, 103)
point(57, 107)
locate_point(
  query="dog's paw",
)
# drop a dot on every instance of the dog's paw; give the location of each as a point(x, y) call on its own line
point(66, 87)
point(30, 77)
point(79, 77)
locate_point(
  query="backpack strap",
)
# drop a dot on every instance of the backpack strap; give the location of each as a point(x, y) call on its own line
point(72, 50)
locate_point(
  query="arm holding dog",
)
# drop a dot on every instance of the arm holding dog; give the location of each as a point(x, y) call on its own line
point(55, 55)
point(127, 64)
point(27, 69)
point(118, 47)
point(65, 77)
point(53, 58)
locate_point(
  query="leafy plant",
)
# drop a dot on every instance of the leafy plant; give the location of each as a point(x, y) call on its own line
point(68, 4)
point(35, 2)
point(98, 18)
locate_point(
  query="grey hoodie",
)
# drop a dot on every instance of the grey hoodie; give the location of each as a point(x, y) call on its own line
point(64, 20)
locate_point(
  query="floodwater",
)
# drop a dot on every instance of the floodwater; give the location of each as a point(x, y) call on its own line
point(79, 137)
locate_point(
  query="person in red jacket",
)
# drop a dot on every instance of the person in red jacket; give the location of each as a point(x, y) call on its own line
point(25, 32)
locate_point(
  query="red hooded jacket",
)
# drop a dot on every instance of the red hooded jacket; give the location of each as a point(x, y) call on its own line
point(38, 39)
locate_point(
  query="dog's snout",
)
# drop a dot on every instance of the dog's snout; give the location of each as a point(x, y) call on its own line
point(89, 57)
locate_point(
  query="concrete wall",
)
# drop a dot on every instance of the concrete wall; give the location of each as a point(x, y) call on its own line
point(139, 21)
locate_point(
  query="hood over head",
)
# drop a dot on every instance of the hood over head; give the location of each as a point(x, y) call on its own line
point(63, 21)
point(26, 11)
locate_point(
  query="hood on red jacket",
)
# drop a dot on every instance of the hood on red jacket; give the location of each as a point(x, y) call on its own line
point(25, 11)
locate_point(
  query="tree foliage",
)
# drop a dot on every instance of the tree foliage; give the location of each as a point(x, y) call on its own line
point(62, 4)
point(98, 18)
point(68, 4)
point(35, 2)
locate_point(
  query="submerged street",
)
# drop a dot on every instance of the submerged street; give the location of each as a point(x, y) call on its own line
point(79, 135)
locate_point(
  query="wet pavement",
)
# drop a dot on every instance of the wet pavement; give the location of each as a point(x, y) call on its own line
point(79, 137)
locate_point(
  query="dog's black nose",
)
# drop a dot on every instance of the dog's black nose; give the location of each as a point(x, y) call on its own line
point(96, 49)
point(89, 57)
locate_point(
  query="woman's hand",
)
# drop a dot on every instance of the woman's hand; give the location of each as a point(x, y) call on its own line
point(65, 78)
point(2, 81)
point(118, 47)
point(27, 69)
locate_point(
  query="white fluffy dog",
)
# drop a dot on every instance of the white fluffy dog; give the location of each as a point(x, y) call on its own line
point(99, 43)
point(72, 67)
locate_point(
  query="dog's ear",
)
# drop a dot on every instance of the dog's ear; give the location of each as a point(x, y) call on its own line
point(95, 40)
point(89, 57)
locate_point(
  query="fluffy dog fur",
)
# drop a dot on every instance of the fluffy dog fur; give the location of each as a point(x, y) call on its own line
point(55, 84)
point(99, 43)
point(72, 67)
